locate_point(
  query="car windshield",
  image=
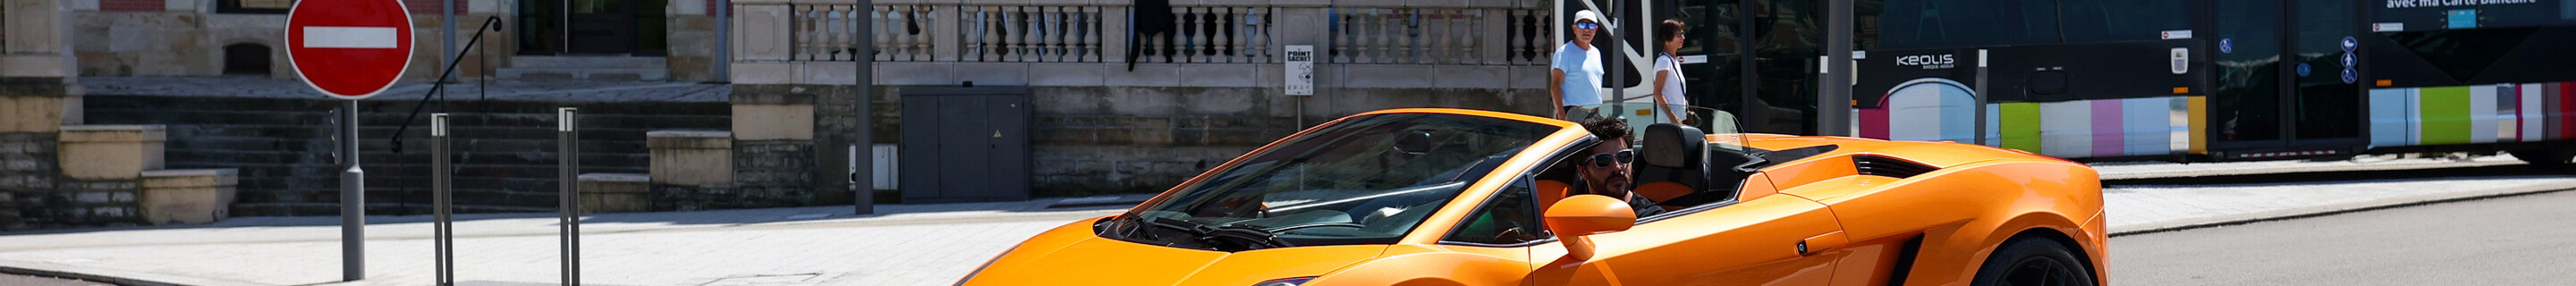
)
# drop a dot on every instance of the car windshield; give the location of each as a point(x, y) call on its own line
point(1364, 180)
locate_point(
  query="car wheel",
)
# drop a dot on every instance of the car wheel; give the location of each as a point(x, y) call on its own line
point(2543, 156)
point(2033, 262)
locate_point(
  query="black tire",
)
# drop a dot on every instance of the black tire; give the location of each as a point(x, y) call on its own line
point(2033, 262)
point(2544, 157)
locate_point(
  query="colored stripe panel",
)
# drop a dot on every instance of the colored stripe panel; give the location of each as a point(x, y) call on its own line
point(2445, 115)
point(2531, 113)
point(2482, 114)
point(2019, 126)
point(2565, 94)
point(1958, 115)
point(2108, 133)
point(2415, 116)
point(2146, 124)
point(2566, 109)
point(2200, 125)
point(2388, 117)
point(2178, 119)
point(2066, 128)
point(1873, 122)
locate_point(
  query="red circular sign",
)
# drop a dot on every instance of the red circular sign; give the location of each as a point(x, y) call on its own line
point(349, 49)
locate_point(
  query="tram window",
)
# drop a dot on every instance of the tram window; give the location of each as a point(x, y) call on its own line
point(2047, 83)
point(2122, 20)
point(1915, 24)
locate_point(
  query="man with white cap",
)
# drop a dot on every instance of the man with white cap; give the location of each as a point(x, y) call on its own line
point(1574, 79)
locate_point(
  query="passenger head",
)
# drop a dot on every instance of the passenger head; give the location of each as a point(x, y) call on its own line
point(1669, 34)
point(1605, 167)
point(1586, 23)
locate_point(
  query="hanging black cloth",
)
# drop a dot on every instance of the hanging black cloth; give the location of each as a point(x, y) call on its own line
point(1152, 17)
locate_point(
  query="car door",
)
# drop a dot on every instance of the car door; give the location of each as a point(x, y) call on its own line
point(1755, 242)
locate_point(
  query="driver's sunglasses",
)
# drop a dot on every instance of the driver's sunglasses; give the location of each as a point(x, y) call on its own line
point(1623, 156)
point(1587, 25)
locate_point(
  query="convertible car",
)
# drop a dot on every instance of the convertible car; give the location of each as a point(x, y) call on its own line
point(1464, 197)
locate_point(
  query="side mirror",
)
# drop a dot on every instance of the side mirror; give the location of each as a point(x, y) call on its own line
point(1576, 218)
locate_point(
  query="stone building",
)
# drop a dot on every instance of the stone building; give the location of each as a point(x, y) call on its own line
point(609, 39)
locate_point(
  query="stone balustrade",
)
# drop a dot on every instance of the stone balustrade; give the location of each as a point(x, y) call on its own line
point(1029, 41)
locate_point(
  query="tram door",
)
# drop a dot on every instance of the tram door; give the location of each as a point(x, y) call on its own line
point(1756, 59)
point(2287, 77)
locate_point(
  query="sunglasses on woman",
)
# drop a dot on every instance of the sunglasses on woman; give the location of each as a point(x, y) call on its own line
point(1623, 157)
point(1587, 25)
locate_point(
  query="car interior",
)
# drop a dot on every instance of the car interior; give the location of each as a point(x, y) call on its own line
point(1676, 168)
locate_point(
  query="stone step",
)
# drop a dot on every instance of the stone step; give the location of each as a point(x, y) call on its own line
point(628, 74)
point(609, 62)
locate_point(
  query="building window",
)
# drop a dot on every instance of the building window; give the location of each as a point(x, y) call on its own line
point(253, 6)
point(246, 59)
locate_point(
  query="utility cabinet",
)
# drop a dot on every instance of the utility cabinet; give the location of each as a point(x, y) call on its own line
point(964, 144)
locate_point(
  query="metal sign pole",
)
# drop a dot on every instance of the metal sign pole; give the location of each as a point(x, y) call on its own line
point(571, 191)
point(1834, 104)
point(353, 199)
point(863, 184)
point(442, 199)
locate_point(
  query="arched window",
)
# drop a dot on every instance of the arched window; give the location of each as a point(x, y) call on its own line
point(246, 59)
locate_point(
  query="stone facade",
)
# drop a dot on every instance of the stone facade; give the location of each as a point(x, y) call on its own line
point(189, 38)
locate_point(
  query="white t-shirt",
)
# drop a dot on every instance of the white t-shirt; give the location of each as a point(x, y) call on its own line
point(1582, 74)
point(1673, 83)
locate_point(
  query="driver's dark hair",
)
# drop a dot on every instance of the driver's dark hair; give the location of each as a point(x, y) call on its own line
point(1610, 127)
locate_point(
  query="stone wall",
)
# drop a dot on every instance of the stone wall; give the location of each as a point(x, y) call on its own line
point(28, 173)
point(1104, 140)
point(505, 150)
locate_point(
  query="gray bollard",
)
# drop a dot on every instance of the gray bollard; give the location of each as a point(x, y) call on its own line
point(442, 200)
point(571, 190)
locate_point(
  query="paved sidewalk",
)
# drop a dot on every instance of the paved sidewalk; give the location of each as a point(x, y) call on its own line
point(906, 245)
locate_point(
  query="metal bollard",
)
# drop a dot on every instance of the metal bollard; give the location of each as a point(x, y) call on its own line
point(571, 190)
point(442, 200)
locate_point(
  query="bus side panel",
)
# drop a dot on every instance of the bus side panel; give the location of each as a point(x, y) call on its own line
point(2476, 114)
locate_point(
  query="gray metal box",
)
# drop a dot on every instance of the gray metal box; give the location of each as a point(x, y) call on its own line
point(965, 144)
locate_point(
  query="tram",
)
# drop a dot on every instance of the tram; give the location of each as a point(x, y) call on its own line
point(2106, 80)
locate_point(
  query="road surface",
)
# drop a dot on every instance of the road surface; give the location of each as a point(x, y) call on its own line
point(2521, 240)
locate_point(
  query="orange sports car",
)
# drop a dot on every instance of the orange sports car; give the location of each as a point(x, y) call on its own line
point(1464, 197)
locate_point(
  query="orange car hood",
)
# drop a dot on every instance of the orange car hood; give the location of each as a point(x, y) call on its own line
point(1100, 261)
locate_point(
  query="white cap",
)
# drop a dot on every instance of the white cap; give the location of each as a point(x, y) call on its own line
point(1580, 16)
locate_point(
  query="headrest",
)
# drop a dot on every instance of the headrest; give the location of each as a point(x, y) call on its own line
point(1673, 145)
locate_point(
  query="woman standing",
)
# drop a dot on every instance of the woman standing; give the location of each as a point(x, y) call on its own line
point(1668, 72)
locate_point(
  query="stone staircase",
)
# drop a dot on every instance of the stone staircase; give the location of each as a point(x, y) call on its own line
point(632, 68)
point(115, 175)
point(504, 151)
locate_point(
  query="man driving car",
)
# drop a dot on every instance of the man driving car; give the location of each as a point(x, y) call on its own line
point(1607, 167)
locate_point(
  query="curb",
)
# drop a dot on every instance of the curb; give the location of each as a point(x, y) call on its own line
point(2332, 209)
point(2291, 170)
point(122, 278)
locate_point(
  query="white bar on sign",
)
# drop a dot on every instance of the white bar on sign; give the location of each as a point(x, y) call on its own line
point(349, 37)
point(2388, 27)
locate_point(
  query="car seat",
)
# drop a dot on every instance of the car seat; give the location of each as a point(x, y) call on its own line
point(1673, 163)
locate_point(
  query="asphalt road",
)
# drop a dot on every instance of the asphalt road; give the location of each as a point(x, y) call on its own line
point(2521, 240)
point(20, 280)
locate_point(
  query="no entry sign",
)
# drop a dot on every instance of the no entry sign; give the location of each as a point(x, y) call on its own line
point(349, 49)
